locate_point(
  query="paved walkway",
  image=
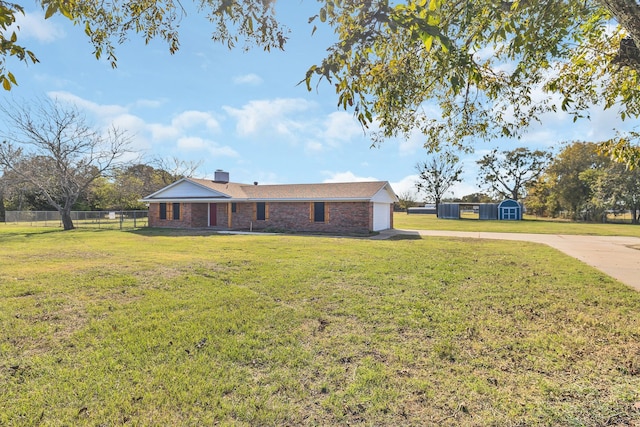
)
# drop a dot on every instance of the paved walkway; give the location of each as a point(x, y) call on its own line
point(617, 256)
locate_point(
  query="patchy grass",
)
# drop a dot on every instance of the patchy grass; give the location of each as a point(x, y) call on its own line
point(154, 327)
point(529, 225)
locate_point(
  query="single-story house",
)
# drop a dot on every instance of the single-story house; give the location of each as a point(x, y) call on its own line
point(350, 207)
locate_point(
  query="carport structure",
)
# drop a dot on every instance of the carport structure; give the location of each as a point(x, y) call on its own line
point(507, 209)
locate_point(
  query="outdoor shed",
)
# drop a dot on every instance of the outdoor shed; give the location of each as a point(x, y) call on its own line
point(510, 210)
point(350, 207)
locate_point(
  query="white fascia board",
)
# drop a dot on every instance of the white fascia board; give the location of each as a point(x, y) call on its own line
point(310, 199)
point(189, 200)
point(230, 199)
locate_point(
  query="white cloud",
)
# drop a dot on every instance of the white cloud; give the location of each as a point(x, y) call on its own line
point(347, 176)
point(189, 119)
point(248, 79)
point(191, 143)
point(258, 117)
point(314, 146)
point(411, 145)
point(183, 128)
point(102, 112)
point(32, 25)
point(163, 132)
point(341, 126)
point(213, 148)
point(406, 185)
point(149, 103)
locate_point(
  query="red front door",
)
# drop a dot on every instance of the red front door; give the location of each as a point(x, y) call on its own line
point(213, 214)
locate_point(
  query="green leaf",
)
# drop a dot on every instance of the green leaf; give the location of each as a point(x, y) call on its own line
point(51, 10)
point(427, 39)
point(6, 84)
point(323, 15)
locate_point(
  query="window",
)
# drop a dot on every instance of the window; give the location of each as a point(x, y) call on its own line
point(233, 208)
point(318, 211)
point(169, 210)
point(261, 211)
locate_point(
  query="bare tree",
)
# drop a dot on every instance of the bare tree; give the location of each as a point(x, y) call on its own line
point(406, 200)
point(173, 169)
point(52, 147)
point(437, 175)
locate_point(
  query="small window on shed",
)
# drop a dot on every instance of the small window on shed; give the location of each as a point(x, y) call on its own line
point(163, 211)
point(318, 211)
point(176, 211)
point(233, 208)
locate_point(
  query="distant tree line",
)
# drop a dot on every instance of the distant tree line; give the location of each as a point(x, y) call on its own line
point(584, 184)
point(121, 189)
point(579, 182)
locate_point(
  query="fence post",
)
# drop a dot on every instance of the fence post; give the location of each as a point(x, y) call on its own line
point(134, 218)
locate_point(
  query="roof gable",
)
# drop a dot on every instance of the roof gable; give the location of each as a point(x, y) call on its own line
point(385, 195)
point(186, 189)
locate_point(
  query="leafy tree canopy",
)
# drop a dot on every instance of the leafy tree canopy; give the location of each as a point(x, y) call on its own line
point(508, 173)
point(493, 67)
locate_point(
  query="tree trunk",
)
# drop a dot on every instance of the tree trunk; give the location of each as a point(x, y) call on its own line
point(67, 223)
point(627, 13)
point(3, 210)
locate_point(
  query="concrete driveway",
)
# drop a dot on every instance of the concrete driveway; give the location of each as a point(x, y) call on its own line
point(617, 256)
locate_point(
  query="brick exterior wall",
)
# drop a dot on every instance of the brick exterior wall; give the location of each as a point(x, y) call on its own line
point(191, 215)
point(341, 217)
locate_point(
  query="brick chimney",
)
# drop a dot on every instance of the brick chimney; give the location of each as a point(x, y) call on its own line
point(221, 176)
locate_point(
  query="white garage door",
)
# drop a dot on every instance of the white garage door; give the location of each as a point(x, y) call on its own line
point(381, 216)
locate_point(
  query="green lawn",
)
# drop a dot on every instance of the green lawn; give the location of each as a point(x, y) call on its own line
point(529, 225)
point(153, 327)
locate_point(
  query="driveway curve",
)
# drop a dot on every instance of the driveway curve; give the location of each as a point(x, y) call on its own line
point(616, 256)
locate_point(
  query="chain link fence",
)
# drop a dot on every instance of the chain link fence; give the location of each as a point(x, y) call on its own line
point(81, 219)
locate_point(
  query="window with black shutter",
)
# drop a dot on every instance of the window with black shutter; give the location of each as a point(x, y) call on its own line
point(318, 211)
point(261, 213)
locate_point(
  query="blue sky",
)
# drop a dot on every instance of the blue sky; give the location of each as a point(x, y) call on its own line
point(242, 112)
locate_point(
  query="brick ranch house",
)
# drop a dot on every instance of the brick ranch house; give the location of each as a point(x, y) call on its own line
point(352, 207)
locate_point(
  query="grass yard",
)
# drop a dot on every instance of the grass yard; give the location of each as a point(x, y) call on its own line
point(529, 225)
point(155, 327)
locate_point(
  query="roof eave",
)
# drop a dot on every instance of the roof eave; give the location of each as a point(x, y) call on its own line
point(231, 199)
